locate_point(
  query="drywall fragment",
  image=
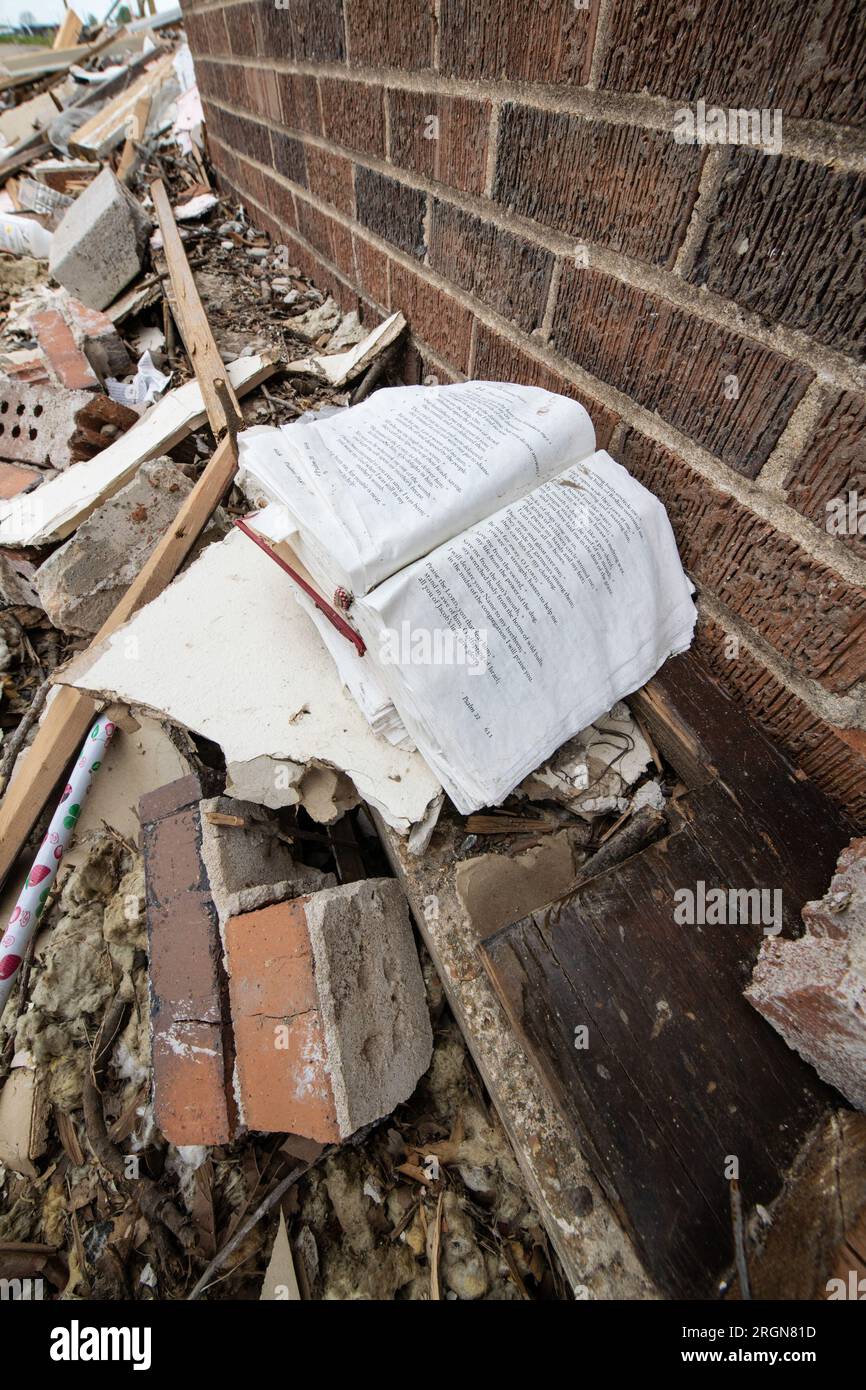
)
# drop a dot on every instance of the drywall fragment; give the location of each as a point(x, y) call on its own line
point(330, 1017)
point(65, 502)
point(337, 368)
point(81, 582)
point(322, 318)
point(238, 661)
point(813, 990)
point(192, 1092)
point(100, 243)
point(592, 772)
point(250, 866)
point(496, 889)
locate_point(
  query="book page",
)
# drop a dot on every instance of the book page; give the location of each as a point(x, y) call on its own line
point(377, 486)
point(511, 638)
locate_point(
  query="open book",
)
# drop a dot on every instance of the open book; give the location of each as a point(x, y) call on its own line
point(508, 582)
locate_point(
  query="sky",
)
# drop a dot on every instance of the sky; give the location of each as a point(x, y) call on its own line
point(52, 11)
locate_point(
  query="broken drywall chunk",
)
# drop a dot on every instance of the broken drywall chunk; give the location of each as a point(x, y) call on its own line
point(250, 865)
point(252, 674)
point(813, 990)
point(100, 244)
point(82, 581)
point(592, 772)
point(330, 1016)
point(496, 889)
point(192, 1091)
point(338, 367)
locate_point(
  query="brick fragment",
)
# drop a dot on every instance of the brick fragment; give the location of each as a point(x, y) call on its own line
point(65, 358)
point(330, 1017)
point(14, 479)
point(813, 990)
point(724, 390)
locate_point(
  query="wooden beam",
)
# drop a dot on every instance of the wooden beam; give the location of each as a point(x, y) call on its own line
point(70, 712)
point(191, 319)
point(99, 136)
point(134, 136)
point(67, 34)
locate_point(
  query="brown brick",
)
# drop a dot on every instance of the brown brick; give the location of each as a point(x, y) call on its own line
point(679, 366)
point(518, 39)
point(810, 614)
point(435, 317)
point(342, 253)
point(782, 241)
point(330, 177)
point(238, 21)
point(808, 60)
point(832, 465)
point(496, 359)
point(623, 187)
point(353, 115)
point(299, 102)
point(192, 1055)
point(380, 37)
point(289, 157)
point(315, 227)
point(262, 91)
point(371, 269)
point(392, 210)
point(822, 751)
point(217, 34)
point(281, 1053)
point(444, 138)
point(503, 270)
point(280, 200)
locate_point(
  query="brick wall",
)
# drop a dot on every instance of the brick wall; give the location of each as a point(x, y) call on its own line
point(506, 173)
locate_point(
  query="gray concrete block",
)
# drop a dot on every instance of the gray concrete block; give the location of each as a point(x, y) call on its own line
point(100, 244)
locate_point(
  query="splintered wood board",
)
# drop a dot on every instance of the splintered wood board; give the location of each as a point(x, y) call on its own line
point(680, 1072)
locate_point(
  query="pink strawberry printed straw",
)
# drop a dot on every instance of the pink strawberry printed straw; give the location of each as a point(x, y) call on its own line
point(34, 894)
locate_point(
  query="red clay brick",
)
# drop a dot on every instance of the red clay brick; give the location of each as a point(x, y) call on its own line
point(392, 210)
point(503, 270)
point(67, 361)
point(496, 359)
point(192, 1058)
point(679, 366)
point(518, 39)
point(808, 60)
point(378, 36)
point(353, 115)
point(832, 465)
point(444, 138)
point(14, 479)
point(331, 178)
point(810, 614)
point(780, 241)
point(829, 756)
point(281, 1054)
point(435, 317)
point(623, 187)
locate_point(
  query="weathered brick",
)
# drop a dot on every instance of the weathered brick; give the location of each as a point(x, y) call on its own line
point(497, 359)
point(503, 270)
point(299, 102)
point(518, 39)
point(353, 115)
point(239, 26)
point(331, 178)
point(435, 317)
point(832, 465)
point(783, 240)
point(822, 751)
point(379, 37)
point(315, 227)
point(371, 270)
point(262, 91)
point(623, 187)
point(317, 30)
point(808, 60)
point(281, 202)
point(392, 210)
point(810, 614)
point(192, 1055)
point(680, 366)
point(67, 361)
point(289, 158)
point(444, 138)
point(217, 35)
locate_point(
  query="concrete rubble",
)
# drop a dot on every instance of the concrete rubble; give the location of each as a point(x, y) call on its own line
point(99, 245)
point(813, 990)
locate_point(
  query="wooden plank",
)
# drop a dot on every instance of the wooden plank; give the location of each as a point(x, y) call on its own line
point(191, 317)
point(65, 725)
point(678, 1072)
point(135, 134)
point(98, 137)
point(67, 34)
